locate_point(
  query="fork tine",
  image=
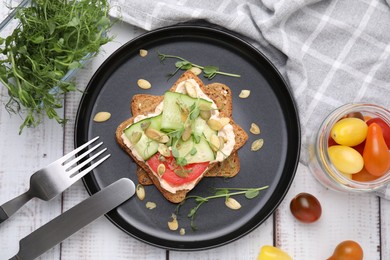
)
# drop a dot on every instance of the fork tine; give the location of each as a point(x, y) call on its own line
point(72, 153)
point(79, 175)
point(78, 158)
point(85, 162)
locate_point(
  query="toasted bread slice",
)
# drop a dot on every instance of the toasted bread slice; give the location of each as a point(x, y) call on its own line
point(145, 103)
point(142, 105)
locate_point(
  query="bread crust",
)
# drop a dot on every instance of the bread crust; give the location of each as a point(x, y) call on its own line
point(144, 104)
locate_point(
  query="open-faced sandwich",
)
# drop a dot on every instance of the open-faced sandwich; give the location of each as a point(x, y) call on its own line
point(180, 137)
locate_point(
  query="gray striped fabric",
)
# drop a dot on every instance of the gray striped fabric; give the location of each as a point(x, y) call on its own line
point(331, 52)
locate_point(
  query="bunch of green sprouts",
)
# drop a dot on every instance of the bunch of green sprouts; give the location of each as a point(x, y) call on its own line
point(51, 38)
point(225, 193)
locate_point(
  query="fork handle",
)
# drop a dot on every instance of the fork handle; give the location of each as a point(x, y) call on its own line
point(13, 205)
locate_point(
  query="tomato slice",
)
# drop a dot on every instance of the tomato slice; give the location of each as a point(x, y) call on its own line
point(194, 170)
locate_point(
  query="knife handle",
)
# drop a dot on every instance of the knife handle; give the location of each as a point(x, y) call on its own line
point(13, 205)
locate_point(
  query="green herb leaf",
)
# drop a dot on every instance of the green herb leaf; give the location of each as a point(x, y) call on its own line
point(251, 193)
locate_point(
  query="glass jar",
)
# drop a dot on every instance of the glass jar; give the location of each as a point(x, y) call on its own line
point(319, 160)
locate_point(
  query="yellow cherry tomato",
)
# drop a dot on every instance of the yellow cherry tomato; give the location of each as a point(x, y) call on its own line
point(273, 253)
point(349, 131)
point(346, 159)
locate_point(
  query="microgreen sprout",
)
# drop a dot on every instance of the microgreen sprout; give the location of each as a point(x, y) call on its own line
point(209, 72)
point(51, 38)
point(249, 193)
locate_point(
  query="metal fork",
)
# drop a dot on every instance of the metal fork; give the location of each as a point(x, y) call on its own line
point(53, 179)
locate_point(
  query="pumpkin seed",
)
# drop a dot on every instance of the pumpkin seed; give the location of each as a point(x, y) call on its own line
point(215, 142)
point(221, 142)
point(190, 89)
point(150, 205)
point(214, 124)
point(143, 53)
point(224, 121)
point(232, 203)
point(144, 84)
point(140, 190)
point(101, 117)
point(255, 129)
point(164, 150)
point(186, 133)
point(156, 135)
point(145, 125)
point(174, 224)
point(196, 70)
point(257, 144)
point(244, 93)
point(135, 137)
point(205, 114)
point(181, 172)
point(161, 169)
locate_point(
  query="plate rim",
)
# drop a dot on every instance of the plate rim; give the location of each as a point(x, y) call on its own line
point(208, 28)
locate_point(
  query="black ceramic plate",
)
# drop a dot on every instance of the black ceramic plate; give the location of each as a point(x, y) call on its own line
point(270, 105)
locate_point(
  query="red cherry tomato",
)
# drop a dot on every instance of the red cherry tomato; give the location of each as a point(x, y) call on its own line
point(194, 170)
point(360, 147)
point(363, 176)
point(385, 128)
point(347, 250)
point(331, 142)
point(306, 208)
point(376, 154)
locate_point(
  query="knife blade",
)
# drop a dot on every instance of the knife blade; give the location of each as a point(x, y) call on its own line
point(72, 220)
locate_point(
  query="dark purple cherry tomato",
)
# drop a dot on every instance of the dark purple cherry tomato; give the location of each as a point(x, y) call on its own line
point(306, 208)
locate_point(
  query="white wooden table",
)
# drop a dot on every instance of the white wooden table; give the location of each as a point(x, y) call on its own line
point(363, 218)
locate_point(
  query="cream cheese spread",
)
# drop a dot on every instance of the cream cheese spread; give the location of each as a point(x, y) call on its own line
point(226, 132)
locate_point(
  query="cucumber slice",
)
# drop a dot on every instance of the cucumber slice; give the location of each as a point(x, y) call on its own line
point(172, 112)
point(145, 147)
point(200, 127)
point(203, 153)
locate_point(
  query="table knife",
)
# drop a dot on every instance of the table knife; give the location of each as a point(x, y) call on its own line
point(72, 220)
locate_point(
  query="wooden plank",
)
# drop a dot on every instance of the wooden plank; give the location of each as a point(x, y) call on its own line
point(21, 156)
point(385, 228)
point(247, 247)
point(344, 217)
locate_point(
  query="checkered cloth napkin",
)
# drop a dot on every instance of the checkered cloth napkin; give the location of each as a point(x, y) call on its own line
point(331, 52)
